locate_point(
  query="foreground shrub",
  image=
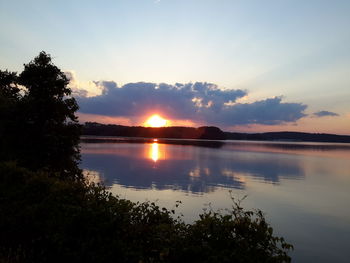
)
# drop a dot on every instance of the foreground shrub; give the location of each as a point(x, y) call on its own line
point(44, 218)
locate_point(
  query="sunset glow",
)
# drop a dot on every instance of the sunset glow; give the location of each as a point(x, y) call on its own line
point(156, 121)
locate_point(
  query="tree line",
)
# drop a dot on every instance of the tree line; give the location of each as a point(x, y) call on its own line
point(204, 132)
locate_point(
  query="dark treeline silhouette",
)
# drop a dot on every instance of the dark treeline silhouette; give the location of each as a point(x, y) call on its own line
point(50, 213)
point(205, 132)
point(288, 136)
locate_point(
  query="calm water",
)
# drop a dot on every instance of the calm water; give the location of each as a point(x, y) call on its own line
point(304, 189)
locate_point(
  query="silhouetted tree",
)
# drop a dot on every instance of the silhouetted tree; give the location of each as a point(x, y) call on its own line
point(8, 86)
point(9, 98)
point(47, 130)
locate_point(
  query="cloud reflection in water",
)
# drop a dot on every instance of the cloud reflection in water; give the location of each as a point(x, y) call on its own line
point(186, 168)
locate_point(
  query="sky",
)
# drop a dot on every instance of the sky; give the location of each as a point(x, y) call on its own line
point(248, 66)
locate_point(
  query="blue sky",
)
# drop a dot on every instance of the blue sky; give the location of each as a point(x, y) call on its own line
point(299, 50)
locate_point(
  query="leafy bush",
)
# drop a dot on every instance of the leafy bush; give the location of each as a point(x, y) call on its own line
point(45, 218)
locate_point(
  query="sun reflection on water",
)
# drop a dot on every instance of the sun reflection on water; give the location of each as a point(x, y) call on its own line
point(154, 152)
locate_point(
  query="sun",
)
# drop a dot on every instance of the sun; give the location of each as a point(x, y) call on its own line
point(156, 121)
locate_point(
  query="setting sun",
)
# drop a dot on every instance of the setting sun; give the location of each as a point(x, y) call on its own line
point(156, 121)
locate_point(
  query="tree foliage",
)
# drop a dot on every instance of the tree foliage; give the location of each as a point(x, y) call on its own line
point(41, 129)
point(9, 117)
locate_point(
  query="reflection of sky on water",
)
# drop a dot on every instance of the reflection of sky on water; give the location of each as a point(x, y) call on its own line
point(302, 187)
point(185, 168)
point(332, 150)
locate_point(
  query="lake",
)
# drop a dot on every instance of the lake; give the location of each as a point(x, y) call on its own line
point(303, 188)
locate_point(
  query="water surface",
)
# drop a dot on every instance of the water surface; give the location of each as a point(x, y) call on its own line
point(304, 188)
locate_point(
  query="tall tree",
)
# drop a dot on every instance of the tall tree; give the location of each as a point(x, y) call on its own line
point(47, 130)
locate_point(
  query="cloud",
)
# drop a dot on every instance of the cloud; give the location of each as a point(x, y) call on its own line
point(270, 111)
point(200, 101)
point(325, 113)
point(81, 89)
point(178, 101)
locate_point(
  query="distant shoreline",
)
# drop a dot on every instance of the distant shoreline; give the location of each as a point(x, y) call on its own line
point(205, 133)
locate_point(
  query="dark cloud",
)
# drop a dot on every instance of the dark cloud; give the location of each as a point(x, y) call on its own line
point(269, 112)
point(196, 101)
point(324, 113)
